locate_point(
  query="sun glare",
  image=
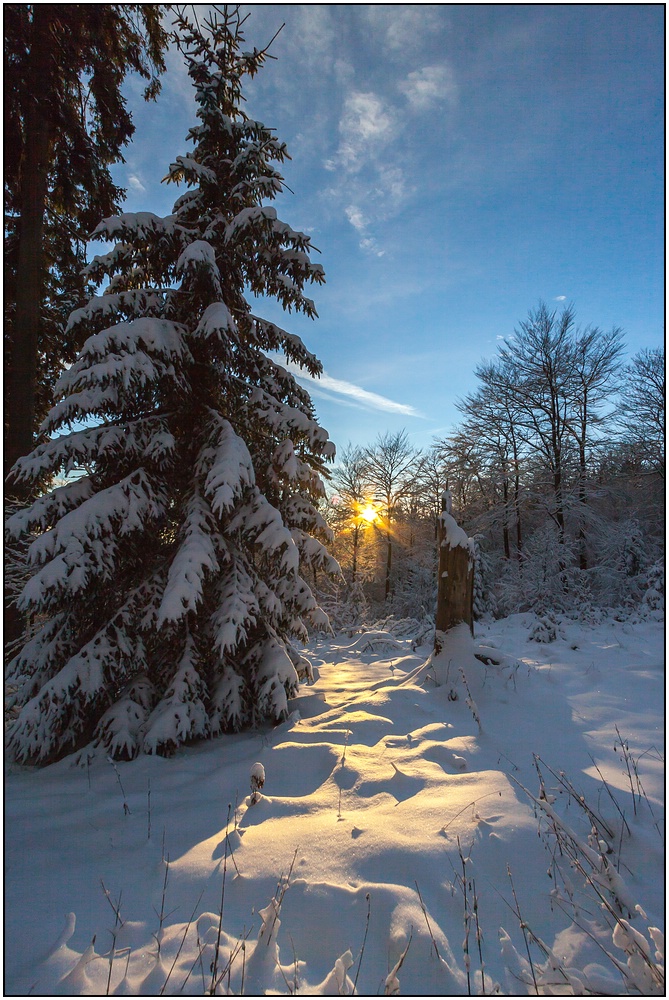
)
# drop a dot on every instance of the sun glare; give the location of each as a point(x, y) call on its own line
point(369, 514)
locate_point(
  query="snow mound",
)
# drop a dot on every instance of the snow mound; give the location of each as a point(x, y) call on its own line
point(401, 830)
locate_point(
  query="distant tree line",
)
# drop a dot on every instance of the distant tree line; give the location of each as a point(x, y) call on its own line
point(556, 469)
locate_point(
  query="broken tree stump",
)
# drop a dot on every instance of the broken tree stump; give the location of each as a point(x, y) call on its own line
point(455, 589)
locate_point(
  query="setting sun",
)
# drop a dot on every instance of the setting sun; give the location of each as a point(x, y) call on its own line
point(369, 513)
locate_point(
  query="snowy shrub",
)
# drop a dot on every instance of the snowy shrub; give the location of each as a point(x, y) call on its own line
point(257, 781)
point(633, 556)
point(424, 634)
point(178, 557)
point(546, 629)
point(353, 610)
point(415, 592)
point(546, 579)
point(626, 567)
point(377, 642)
point(484, 602)
point(653, 598)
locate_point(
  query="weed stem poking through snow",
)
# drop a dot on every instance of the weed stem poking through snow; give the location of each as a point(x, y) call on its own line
point(364, 940)
point(427, 920)
point(126, 807)
point(214, 969)
point(523, 928)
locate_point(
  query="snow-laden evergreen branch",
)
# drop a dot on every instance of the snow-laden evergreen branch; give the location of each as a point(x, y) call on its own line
point(170, 575)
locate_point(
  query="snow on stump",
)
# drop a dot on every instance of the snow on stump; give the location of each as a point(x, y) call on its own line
point(455, 594)
point(257, 782)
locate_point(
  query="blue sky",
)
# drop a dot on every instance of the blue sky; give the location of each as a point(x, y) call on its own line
point(455, 165)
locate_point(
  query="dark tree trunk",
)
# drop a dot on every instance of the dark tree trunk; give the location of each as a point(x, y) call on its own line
point(557, 492)
point(583, 500)
point(30, 263)
point(505, 530)
point(516, 504)
point(389, 563)
point(516, 496)
point(356, 532)
point(21, 379)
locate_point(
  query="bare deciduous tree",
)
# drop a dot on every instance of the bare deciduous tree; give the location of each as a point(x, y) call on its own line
point(596, 364)
point(642, 407)
point(350, 480)
point(536, 371)
point(393, 465)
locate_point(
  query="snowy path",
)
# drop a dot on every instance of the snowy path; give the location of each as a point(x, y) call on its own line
point(372, 787)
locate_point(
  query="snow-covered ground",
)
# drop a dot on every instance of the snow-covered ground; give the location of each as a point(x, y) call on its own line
point(380, 792)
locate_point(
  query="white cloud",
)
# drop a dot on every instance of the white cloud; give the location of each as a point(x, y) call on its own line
point(560, 298)
point(430, 85)
point(135, 184)
point(370, 245)
point(392, 185)
point(365, 176)
point(365, 126)
point(351, 393)
point(405, 27)
point(360, 223)
point(356, 218)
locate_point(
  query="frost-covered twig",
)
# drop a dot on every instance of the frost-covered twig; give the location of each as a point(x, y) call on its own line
point(161, 915)
point(126, 807)
point(392, 984)
point(427, 920)
point(626, 757)
point(632, 767)
point(183, 939)
point(625, 824)
point(578, 798)
point(464, 808)
point(471, 704)
point(214, 969)
point(524, 929)
point(642, 973)
point(479, 934)
point(467, 917)
point(118, 923)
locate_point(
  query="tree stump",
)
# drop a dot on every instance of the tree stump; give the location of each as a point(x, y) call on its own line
point(455, 592)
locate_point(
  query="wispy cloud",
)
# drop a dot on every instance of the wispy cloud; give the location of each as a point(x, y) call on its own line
point(560, 298)
point(404, 27)
point(360, 223)
point(423, 88)
point(366, 125)
point(330, 388)
point(357, 219)
point(135, 184)
point(370, 161)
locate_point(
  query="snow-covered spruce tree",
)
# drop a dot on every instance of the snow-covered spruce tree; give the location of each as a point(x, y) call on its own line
point(168, 577)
